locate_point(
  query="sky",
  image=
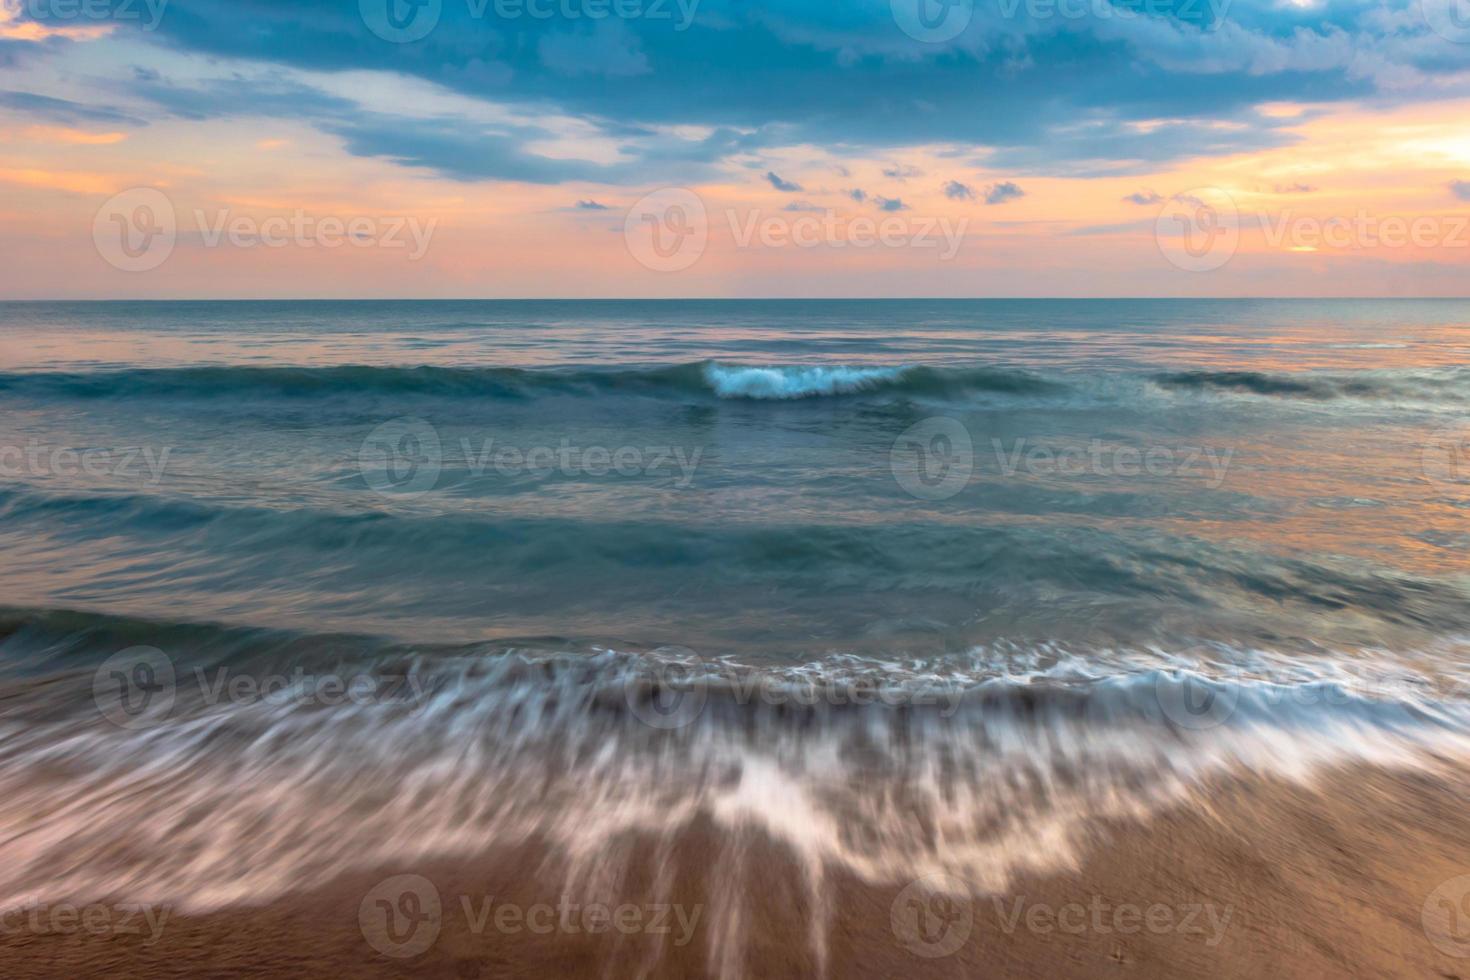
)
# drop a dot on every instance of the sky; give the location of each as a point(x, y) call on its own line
point(611, 148)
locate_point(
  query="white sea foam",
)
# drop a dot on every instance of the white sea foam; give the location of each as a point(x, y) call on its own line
point(1004, 760)
point(774, 383)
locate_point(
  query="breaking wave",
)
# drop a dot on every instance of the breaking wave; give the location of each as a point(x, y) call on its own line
point(704, 379)
point(1004, 754)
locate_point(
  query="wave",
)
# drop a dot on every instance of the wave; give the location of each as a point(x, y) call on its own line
point(1438, 384)
point(256, 557)
point(785, 383)
point(1006, 754)
point(706, 379)
point(712, 381)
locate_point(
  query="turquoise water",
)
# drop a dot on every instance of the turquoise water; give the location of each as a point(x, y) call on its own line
point(729, 476)
point(530, 528)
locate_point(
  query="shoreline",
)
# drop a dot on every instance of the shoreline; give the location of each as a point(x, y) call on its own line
point(1355, 875)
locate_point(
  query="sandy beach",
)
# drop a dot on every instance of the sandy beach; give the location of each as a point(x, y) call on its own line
point(1355, 876)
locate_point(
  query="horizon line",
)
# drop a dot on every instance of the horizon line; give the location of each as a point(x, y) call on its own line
point(716, 299)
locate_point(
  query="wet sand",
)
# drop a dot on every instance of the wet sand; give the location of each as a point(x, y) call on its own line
point(1249, 879)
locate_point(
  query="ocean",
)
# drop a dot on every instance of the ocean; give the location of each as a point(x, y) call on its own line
point(913, 586)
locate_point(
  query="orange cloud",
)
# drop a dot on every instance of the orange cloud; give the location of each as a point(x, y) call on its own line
point(79, 183)
point(74, 137)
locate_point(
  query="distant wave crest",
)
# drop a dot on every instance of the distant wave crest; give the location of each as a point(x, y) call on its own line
point(1426, 383)
point(703, 379)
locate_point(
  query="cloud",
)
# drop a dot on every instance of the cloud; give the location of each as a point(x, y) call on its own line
point(785, 186)
point(1003, 192)
point(1461, 189)
point(858, 194)
point(1294, 188)
point(609, 50)
point(1021, 87)
point(590, 206)
point(1144, 198)
point(741, 65)
point(464, 152)
point(890, 204)
point(956, 191)
point(902, 172)
point(65, 111)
